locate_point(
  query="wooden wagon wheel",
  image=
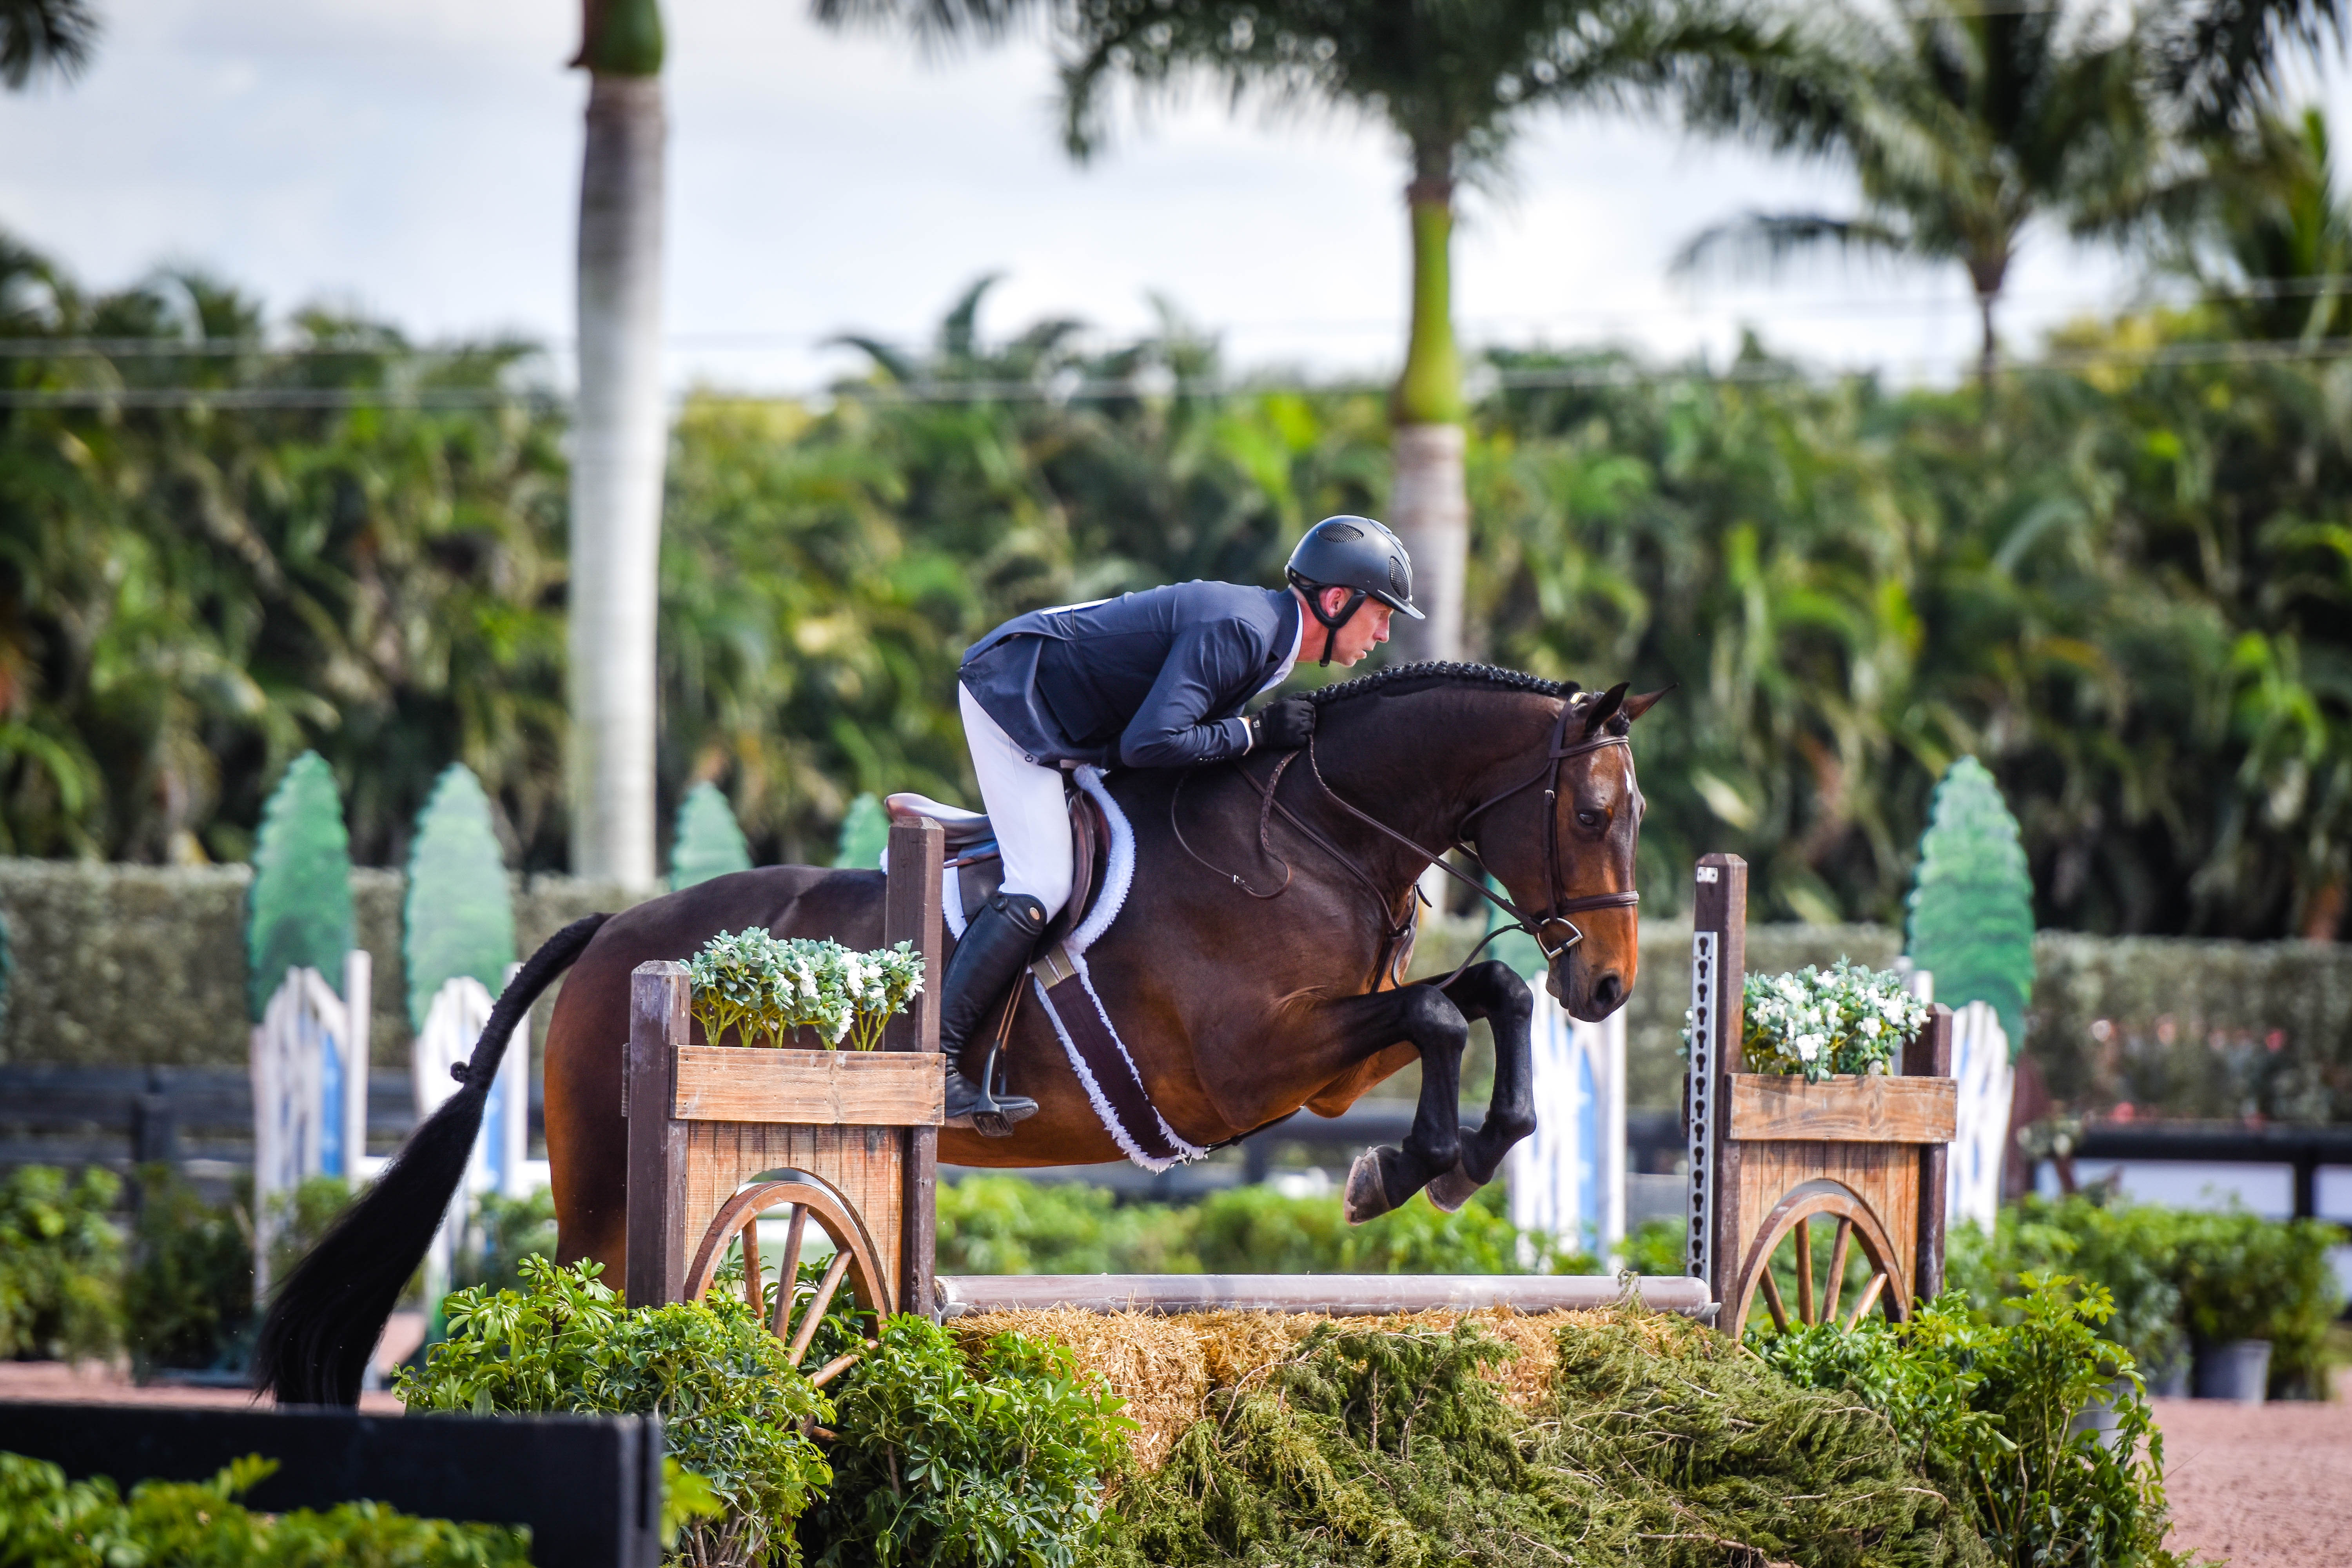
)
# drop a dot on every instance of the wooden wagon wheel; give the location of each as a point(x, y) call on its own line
point(853, 1257)
point(1790, 1220)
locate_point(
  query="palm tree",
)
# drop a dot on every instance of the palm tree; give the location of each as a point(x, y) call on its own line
point(39, 36)
point(620, 443)
point(1964, 128)
point(1455, 81)
point(2268, 237)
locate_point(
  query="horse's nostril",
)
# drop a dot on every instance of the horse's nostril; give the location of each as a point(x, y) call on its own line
point(1608, 991)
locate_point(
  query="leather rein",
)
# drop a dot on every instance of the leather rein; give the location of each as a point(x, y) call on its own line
point(1560, 904)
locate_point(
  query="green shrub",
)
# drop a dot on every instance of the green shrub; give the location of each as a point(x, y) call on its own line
point(60, 1263)
point(48, 1522)
point(2130, 1250)
point(1004, 1225)
point(2173, 1275)
point(2245, 1277)
point(1990, 1411)
point(187, 1297)
point(732, 1407)
point(505, 1231)
point(945, 1464)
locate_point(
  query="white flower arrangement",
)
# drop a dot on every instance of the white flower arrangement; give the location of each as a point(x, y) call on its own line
point(765, 987)
point(1850, 1020)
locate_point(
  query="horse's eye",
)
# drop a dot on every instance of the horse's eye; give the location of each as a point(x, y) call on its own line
point(1589, 819)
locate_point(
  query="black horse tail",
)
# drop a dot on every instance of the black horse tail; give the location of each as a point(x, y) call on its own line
point(325, 1322)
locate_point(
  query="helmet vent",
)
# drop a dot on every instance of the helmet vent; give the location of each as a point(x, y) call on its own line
point(1340, 532)
point(1400, 580)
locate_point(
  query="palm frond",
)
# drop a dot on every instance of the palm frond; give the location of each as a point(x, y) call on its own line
point(1767, 241)
point(39, 36)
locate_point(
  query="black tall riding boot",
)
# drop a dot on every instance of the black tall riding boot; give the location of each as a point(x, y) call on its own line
point(995, 948)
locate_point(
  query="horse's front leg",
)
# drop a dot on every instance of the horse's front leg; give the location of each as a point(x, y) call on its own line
point(1383, 1179)
point(1495, 992)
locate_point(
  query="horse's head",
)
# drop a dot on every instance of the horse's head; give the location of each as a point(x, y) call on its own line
point(1590, 932)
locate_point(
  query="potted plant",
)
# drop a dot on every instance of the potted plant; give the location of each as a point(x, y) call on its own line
point(1848, 1022)
point(2254, 1291)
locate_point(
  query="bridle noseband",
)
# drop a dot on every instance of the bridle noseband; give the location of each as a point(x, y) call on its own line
point(1558, 905)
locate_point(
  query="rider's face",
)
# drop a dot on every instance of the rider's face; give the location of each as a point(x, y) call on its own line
point(1362, 632)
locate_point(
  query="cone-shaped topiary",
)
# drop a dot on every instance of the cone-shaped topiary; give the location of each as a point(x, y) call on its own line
point(864, 833)
point(459, 917)
point(298, 911)
point(1972, 904)
point(708, 841)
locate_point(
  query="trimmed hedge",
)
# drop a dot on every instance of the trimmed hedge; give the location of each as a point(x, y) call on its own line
point(145, 964)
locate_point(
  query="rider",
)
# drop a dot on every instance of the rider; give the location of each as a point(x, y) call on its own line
point(1155, 679)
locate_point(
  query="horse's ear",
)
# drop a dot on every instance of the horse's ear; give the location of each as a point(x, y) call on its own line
point(1603, 709)
point(1637, 706)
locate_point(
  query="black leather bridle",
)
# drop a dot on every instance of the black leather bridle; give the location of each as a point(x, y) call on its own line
point(1560, 904)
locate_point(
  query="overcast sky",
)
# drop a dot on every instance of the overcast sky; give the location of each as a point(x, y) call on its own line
point(419, 159)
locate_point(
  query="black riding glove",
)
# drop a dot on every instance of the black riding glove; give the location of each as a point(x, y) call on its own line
point(1283, 725)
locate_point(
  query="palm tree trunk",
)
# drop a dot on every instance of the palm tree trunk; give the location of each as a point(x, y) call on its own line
point(1989, 348)
point(1429, 507)
point(619, 444)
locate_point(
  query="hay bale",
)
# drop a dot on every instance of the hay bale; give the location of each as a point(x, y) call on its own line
point(1166, 1367)
point(1154, 1363)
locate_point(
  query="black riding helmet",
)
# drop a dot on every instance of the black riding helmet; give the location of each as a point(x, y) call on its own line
point(1356, 553)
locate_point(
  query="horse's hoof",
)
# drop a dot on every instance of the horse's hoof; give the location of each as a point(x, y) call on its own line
point(1451, 1191)
point(1367, 1195)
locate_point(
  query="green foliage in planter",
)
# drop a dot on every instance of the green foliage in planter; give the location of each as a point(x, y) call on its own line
point(48, 1522)
point(732, 1407)
point(1970, 921)
point(299, 908)
point(187, 1296)
point(458, 916)
point(945, 1463)
point(60, 1263)
point(1990, 1411)
point(2245, 1277)
point(765, 987)
point(1849, 1020)
point(1657, 1443)
point(708, 841)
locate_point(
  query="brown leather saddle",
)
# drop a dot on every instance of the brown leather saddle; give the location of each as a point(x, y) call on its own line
point(976, 868)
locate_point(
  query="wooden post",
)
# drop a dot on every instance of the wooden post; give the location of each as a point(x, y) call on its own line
point(911, 913)
point(1930, 1056)
point(1719, 972)
point(658, 1000)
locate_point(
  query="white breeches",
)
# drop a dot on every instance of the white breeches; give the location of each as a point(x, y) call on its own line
point(1024, 804)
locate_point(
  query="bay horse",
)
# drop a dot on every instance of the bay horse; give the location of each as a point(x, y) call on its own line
point(1251, 973)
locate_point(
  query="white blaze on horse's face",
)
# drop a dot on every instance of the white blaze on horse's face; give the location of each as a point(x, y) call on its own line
point(1599, 826)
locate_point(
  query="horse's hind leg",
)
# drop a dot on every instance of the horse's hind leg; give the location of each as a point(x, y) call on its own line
point(1495, 992)
point(1383, 1179)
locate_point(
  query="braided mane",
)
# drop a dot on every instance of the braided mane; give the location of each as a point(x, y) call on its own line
point(1442, 672)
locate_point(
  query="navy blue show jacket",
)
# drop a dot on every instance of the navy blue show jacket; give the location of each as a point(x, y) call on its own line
point(1155, 679)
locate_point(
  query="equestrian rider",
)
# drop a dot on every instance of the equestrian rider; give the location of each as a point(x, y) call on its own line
point(1155, 679)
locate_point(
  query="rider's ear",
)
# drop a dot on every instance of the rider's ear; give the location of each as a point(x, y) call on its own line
point(1603, 708)
point(1637, 706)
